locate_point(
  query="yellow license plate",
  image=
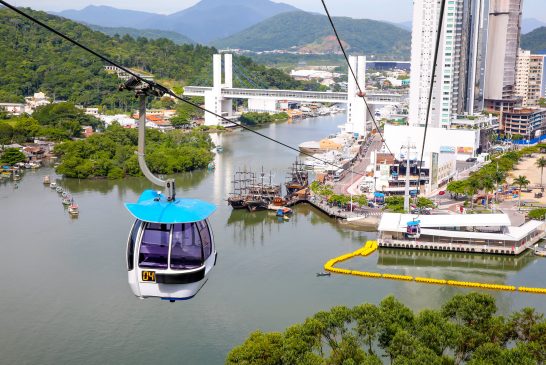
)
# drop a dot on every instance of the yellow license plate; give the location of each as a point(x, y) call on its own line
point(148, 276)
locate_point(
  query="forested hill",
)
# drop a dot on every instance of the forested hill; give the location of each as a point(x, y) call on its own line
point(535, 40)
point(33, 59)
point(312, 33)
point(146, 33)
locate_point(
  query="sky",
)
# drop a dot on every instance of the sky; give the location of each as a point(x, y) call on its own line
point(391, 10)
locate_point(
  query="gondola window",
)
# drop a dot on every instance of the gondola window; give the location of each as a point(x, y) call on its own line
point(154, 249)
point(186, 252)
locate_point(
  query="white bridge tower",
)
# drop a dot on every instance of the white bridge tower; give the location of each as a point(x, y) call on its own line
point(213, 98)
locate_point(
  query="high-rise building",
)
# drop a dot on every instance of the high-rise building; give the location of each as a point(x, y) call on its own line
point(502, 48)
point(530, 74)
point(477, 55)
point(460, 70)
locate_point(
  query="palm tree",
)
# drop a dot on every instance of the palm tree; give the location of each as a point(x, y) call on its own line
point(498, 177)
point(541, 163)
point(487, 186)
point(521, 181)
point(472, 188)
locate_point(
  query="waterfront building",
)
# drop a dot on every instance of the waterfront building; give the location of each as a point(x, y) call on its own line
point(530, 78)
point(459, 78)
point(477, 233)
point(502, 47)
point(526, 122)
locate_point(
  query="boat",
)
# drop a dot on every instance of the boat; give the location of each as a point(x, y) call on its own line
point(283, 211)
point(59, 189)
point(64, 194)
point(53, 185)
point(27, 166)
point(73, 210)
point(297, 179)
point(256, 203)
point(67, 200)
point(323, 274)
point(16, 177)
point(219, 149)
point(211, 166)
point(540, 251)
point(46, 180)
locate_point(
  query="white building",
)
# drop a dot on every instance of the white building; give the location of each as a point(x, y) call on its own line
point(478, 233)
point(122, 119)
point(35, 101)
point(458, 83)
point(460, 143)
point(530, 78)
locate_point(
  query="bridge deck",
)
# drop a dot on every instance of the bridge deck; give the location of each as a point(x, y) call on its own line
point(295, 95)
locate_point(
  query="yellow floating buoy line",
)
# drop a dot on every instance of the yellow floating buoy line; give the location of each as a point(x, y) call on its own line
point(371, 246)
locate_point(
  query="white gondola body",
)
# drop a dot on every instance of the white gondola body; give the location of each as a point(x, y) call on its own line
point(172, 260)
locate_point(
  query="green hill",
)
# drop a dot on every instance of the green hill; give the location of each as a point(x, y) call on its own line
point(312, 33)
point(33, 59)
point(535, 40)
point(146, 33)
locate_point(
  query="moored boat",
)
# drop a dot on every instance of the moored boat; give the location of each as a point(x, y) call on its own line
point(46, 180)
point(59, 189)
point(73, 210)
point(53, 185)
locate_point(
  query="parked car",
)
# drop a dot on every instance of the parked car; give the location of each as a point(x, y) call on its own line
point(471, 159)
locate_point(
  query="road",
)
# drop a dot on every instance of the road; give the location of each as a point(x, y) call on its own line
point(364, 159)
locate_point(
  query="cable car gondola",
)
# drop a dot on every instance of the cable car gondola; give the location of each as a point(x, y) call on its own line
point(170, 249)
point(413, 229)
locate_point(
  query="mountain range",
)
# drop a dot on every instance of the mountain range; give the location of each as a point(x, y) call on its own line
point(530, 24)
point(306, 32)
point(205, 21)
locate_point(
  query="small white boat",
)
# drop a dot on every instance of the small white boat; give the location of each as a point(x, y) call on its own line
point(219, 148)
point(73, 210)
point(16, 177)
point(67, 200)
point(59, 189)
point(540, 251)
point(53, 185)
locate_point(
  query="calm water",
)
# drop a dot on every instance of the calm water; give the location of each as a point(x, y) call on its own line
point(65, 297)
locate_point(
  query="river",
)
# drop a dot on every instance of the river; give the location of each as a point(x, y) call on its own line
point(65, 297)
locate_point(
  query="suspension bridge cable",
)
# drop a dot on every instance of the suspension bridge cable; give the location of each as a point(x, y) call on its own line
point(429, 103)
point(361, 92)
point(163, 88)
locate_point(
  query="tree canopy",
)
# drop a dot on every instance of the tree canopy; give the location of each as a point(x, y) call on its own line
point(112, 153)
point(465, 330)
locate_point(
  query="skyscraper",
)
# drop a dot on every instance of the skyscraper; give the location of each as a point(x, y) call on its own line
point(458, 86)
point(502, 49)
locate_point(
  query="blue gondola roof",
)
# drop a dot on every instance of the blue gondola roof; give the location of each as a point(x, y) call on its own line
point(414, 223)
point(154, 207)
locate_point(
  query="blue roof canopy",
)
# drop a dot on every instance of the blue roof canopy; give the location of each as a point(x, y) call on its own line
point(153, 207)
point(414, 223)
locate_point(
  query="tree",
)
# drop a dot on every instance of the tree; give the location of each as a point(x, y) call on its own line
point(541, 163)
point(6, 133)
point(472, 188)
point(487, 186)
point(259, 349)
point(521, 181)
point(368, 323)
point(11, 156)
point(498, 177)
